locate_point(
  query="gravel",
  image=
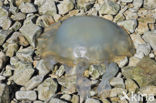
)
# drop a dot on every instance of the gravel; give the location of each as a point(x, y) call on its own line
point(26, 78)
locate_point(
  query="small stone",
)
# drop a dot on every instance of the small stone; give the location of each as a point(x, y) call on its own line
point(142, 50)
point(85, 4)
point(55, 100)
point(108, 17)
point(66, 97)
point(23, 70)
point(68, 82)
point(123, 62)
point(150, 37)
point(127, 1)
point(109, 7)
point(18, 16)
point(38, 101)
point(144, 72)
point(8, 71)
point(129, 25)
point(131, 86)
point(33, 82)
point(137, 4)
point(23, 41)
point(16, 26)
point(117, 82)
point(27, 8)
point(149, 90)
point(4, 93)
point(45, 20)
point(60, 71)
point(75, 99)
point(11, 49)
point(151, 55)
point(130, 14)
point(3, 60)
point(143, 22)
point(3, 35)
point(2, 78)
point(94, 73)
point(38, 2)
point(65, 6)
point(5, 23)
point(48, 7)
point(47, 89)
point(30, 31)
point(28, 95)
point(137, 40)
point(117, 92)
point(105, 100)
point(18, 2)
point(25, 54)
point(45, 66)
point(91, 100)
point(149, 4)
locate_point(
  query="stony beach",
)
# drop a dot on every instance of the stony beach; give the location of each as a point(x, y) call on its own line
point(26, 78)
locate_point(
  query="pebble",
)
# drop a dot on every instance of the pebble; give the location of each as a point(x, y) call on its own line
point(48, 7)
point(3, 35)
point(60, 71)
point(30, 31)
point(37, 101)
point(149, 90)
point(85, 4)
point(5, 23)
point(27, 95)
point(91, 100)
point(11, 49)
point(137, 4)
point(8, 71)
point(22, 40)
point(109, 7)
point(143, 73)
point(4, 93)
point(149, 4)
point(117, 92)
point(45, 66)
point(75, 99)
point(56, 100)
point(117, 82)
point(33, 82)
point(18, 16)
point(27, 8)
point(45, 20)
point(16, 26)
point(131, 86)
point(94, 73)
point(68, 82)
point(123, 62)
point(3, 59)
point(24, 71)
point(127, 1)
point(65, 6)
point(142, 50)
point(25, 54)
point(47, 89)
point(150, 37)
point(129, 25)
point(66, 97)
point(38, 2)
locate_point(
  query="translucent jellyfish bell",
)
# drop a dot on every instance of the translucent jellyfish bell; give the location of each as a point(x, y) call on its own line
point(88, 37)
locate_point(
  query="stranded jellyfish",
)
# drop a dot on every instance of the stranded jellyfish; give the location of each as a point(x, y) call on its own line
point(85, 39)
